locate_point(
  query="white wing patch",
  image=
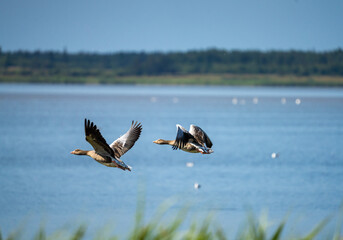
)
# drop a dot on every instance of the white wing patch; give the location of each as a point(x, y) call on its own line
point(126, 141)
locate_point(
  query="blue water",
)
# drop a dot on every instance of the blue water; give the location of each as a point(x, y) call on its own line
point(40, 181)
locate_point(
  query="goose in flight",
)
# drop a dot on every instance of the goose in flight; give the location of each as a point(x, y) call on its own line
point(194, 141)
point(109, 155)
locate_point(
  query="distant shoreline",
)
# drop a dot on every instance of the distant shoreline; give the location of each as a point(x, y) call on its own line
point(199, 67)
point(189, 79)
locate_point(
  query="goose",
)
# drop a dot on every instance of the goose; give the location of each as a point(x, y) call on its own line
point(109, 155)
point(193, 141)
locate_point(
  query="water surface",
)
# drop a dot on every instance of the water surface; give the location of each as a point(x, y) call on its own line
point(40, 181)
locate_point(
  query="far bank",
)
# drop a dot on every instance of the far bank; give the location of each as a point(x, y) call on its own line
point(189, 79)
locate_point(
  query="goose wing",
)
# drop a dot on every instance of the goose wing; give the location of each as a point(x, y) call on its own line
point(126, 142)
point(94, 137)
point(200, 136)
point(182, 137)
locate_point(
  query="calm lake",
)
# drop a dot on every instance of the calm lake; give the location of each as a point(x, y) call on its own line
point(41, 182)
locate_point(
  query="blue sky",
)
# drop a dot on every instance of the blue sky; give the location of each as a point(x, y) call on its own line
point(177, 25)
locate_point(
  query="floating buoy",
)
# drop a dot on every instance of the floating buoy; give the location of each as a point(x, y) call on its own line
point(197, 185)
point(189, 164)
point(274, 155)
point(283, 100)
point(297, 101)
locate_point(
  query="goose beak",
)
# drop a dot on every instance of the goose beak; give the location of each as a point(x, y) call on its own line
point(72, 152)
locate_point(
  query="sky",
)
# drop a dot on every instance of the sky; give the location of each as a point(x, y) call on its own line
point(170, 25)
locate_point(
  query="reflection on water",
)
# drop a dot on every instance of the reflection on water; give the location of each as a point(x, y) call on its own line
point(41, 124)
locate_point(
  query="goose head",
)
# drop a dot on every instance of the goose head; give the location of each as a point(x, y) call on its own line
point(160, 141)
point(79, 152)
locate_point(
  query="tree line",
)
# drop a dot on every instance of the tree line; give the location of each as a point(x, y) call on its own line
point(211, 61)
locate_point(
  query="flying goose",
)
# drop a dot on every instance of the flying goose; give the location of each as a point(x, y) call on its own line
point(194, 141)
point(109, 155)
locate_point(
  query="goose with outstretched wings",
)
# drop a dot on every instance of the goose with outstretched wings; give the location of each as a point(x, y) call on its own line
point(194, 141)
point(109, 155)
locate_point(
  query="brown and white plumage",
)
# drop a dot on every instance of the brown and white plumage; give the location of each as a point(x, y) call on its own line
point(109, 155)
point(200, 136)
point(194, 141)
point(94, 137)
point(126, 142)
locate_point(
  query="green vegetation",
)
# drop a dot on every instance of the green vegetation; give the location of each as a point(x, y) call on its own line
point(211, 67)
point(177, 228)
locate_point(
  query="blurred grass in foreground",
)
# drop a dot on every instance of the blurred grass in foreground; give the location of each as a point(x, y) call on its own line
point(175, 227)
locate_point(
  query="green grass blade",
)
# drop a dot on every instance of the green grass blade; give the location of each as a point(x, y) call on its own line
point(277, 234)
point(317, 229)
point(219, 234)
point(339, 224)
point(79, 233)
point(41, 235)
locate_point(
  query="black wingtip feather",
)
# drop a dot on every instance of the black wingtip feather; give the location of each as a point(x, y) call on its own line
point(137, 125)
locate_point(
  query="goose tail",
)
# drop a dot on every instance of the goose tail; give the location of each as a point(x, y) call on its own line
point(120, 164)
point(205, 150)
point(209, 150)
